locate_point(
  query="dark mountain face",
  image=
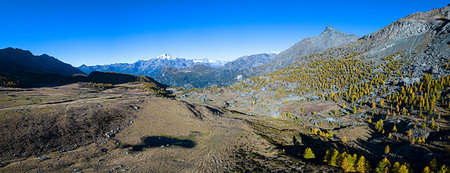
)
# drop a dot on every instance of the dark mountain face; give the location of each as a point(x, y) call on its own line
point(329, 38)
point(17, 61)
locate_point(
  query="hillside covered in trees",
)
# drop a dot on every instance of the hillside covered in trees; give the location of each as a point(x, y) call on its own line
point(380, 103)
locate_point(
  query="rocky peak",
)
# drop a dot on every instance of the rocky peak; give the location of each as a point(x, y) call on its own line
point(413, 25)
point(328, 29)
point(166, 56)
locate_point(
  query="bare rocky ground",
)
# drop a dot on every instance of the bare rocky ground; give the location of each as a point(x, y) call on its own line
point(73, 129)
point(290, 136)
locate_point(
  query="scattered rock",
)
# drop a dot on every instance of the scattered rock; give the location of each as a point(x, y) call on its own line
point(409, 81)
point(313, 98)
point(42, 158)
point(204, 99)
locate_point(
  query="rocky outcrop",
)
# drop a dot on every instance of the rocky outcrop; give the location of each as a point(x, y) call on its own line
point(329, 38)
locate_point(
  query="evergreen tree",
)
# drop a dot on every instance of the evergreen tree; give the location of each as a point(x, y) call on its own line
point(403, 169)
point(344, 164)
point(308, 154)
point(333, 158)
point(396, 167)
point(351, 162)
point(433, 165)
point(443, 169)
point(379, 125)
point(361, 165)
point(426, 170)
point(340, 158)
point(383, 166)
point(326, 158)
point(387, 149)
point(344, 139)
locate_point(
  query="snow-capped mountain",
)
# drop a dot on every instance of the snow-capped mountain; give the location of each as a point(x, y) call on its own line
point(210, 63)
point(166, 56)
point(200, 76)
point(152, 66)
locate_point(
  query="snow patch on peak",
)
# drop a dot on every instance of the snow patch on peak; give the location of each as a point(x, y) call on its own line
point(166, 56)
point(209, 62)
point(275, 52)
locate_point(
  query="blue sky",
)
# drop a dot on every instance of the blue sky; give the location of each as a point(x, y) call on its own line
point(110, 31)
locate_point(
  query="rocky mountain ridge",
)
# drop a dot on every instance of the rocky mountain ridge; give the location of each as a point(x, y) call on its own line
point(327, 39)
point(14, 61)
point(152, 66)
point(199, 76)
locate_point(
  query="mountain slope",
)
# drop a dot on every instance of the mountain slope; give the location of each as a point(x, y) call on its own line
point(13, 61)
point(404, 50)
point(382, 96)
point(152, 66)
point(202, 76)
point(327, 39)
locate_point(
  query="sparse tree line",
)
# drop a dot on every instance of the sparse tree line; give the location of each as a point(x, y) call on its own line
point(146, 86)
point(366, 88)
point(358, 163)
point(4, 81)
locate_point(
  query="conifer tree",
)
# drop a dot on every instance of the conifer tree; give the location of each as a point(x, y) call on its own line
point(333, 158)
point(403, 169)
point(351, 162)
point(344, 139)
point(344, 164)
point(361, 165)
point(433, 165)
point(387, 149)
point(308, 154)
point(383, 166)
point(443, 169)
point(340, 158)
point(426, 170)
point(327, 156)
point(396, 167)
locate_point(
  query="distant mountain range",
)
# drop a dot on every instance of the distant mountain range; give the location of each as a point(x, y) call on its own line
point(253, 65)
point(152, 66)
point(199, 73)
point(201, 76)
point(174, 71)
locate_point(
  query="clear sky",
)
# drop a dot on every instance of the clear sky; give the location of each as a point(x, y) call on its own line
point(110, 31)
